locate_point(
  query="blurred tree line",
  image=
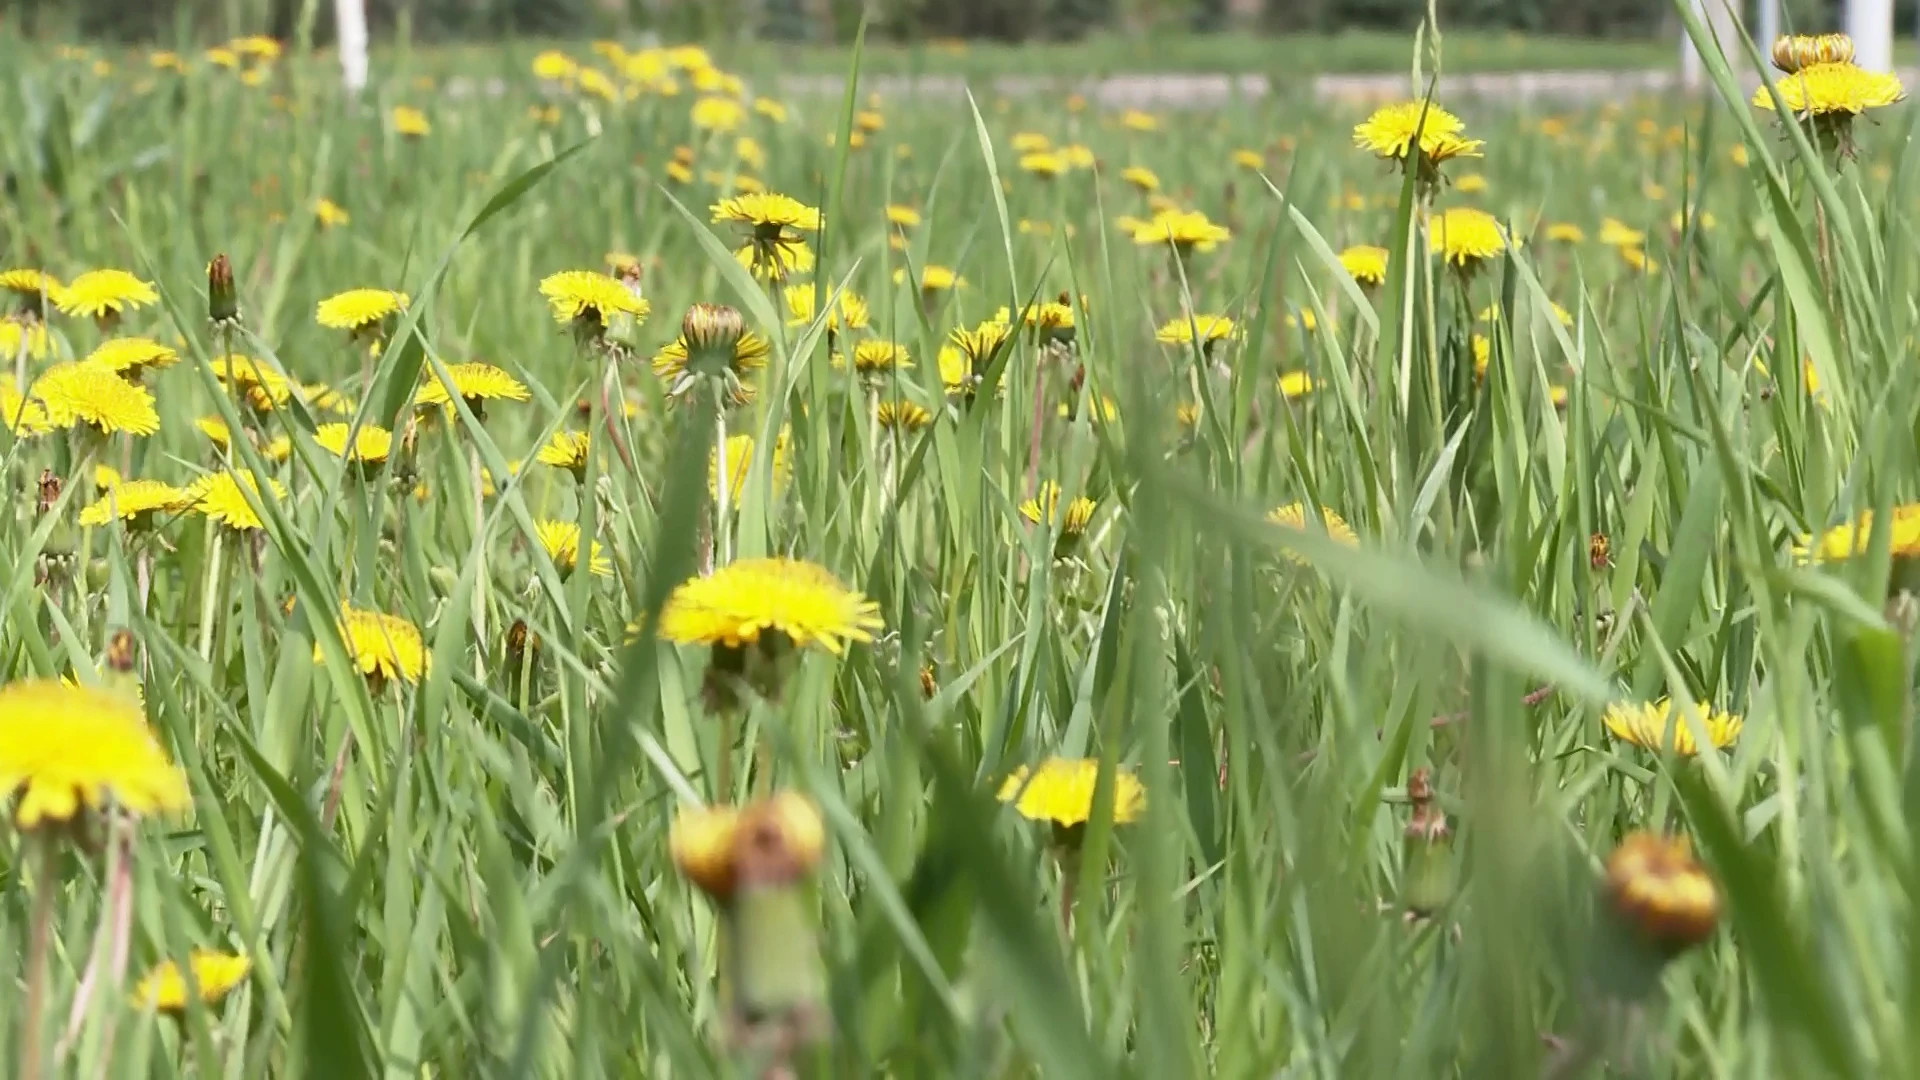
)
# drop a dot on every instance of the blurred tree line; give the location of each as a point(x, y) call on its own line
point(824, 20)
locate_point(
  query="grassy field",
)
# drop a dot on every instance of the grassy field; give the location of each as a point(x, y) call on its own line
point(1257, 705)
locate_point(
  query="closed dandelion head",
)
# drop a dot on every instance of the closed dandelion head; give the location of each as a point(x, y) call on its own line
point(132, 356)
point(138, 503)
point(95, 396)
point(384, 647)
point(740, 458)
point(368, 446)
point(223, 295)
point(1660, 892)
point(1366, 264)
point(1205, 329)
point(726, 359)
point(33, 291)
point(561, 541)
point(591, 300)
point(1060, 791)
point(360, 310)
point(67, 749)
point(1599, 552)
point(701, 840)
point(1792, 52)
point(228, 497)
point(1662, 726)
point(474, 383)
point(104, 294)
point(215, 974)
point(1465, 238)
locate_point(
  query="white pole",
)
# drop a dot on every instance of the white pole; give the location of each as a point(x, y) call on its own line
point(1769, 24)
point(1690, 68)
point(351, 21)
point(1721, 22)
point(1870, 25)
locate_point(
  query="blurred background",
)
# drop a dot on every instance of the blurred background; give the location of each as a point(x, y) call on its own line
point(829, 21)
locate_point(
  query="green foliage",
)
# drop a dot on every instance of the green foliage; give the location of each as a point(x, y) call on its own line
point(470, 874)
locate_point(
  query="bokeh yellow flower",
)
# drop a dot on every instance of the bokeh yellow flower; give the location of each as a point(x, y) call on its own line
point(74, 748)
point(1663, 725)
point(215, 975)
point(1061, 790)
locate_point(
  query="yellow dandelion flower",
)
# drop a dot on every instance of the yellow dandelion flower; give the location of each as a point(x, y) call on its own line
point(474, 382)
point(1648, 726)
point(221, 56)
point(933, 278)
point(771, 109)
point(357, 309)
point(1470, 183)
point(767, 214)
point(587, 294)
point(1031, 142)
point(370, 445)
point(410, 122)
point(35, 290)
point(95, 395)
point(1365, 263)
point(748, 599)
point(901, 416)
point(1833, 89)
point(1060, 791)
point(775, 262)
point(255, 378)
point(1294, 516)
point(166, 60)
point(740, 459)
point(383, 647)
point(904, 217)
point(981, 344)
point(1206, 328)
point(72, 748)
point(1617, 233)
point(1044, 509)
point(1250, 160)
point(850, 312)
point(554, 66)
point(1465, 237)
point(1186, 230)
point(1563, 232)
point(329, 214)
point(225, 497)
point(1295, 384)
point(566, 450)
point(1141, 178)
point(874, 355)
point(1394, 130)
point(134, 501)
point(561, 539)
point(132, 355)
point(215, 975)
point(24, 416)
point(1135, 120)
point(1848, 539)
point(104, 293)
point(749, 355)
point(1639, 261)
point(718, 114)
point(22, 336)
point(1045, 164)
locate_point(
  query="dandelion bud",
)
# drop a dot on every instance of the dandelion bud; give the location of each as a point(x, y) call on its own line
point(711, 328)
point(48, 491)
point(1428, 877)
point(1796, 51)
point(120, 651)
point(1599, 552)
point(223, 299)
point(702, 841)
point(1660, 893)
point(929, 685)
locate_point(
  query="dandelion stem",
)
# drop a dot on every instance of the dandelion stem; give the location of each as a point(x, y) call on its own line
point(210, 594)
point(722, 486)
point(39, 937)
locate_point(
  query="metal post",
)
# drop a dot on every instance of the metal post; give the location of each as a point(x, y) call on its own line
point(1870, 25)
point(1769, 24)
